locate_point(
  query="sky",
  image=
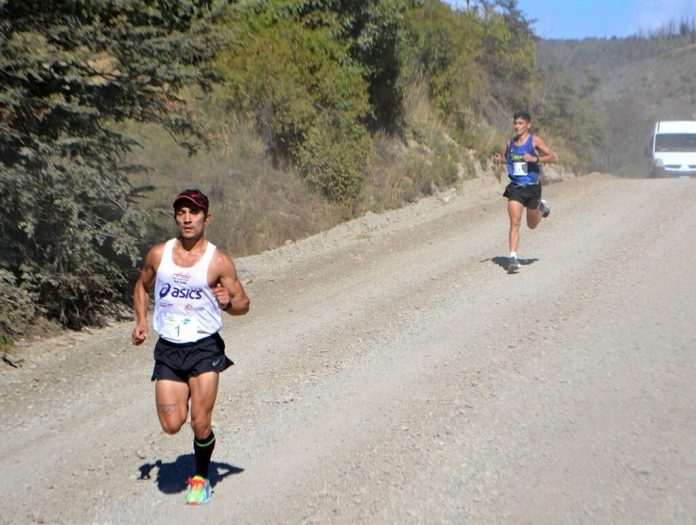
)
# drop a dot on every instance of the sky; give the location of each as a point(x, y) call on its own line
point(577, 19)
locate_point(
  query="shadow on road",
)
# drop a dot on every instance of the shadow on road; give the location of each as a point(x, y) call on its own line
point(171, 477)
point(503, 261)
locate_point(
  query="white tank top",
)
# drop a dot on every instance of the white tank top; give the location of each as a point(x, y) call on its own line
point(185, 307)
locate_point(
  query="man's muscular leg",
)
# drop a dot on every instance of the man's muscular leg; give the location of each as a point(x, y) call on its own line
point(534, 216)
point(204, 389)
point(515, 210)
point(172, 404)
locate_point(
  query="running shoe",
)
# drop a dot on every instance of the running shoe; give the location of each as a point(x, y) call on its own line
point(198, 492)
point(513, 264)
point(545, 208)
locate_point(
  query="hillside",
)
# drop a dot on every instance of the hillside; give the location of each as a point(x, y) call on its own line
point(292, 116)
point(636, 81)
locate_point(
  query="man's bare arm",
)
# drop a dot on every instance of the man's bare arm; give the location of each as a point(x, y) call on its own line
point(229, 291)
point(141, 294)
point(544, 152)
point(498, 158)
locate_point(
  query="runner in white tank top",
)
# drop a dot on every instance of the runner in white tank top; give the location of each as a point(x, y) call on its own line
point(194, 282)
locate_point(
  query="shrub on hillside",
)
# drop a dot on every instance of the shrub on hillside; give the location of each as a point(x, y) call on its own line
point(332, 162)
point(17, 308)
point(477, 64)
point(308, 99)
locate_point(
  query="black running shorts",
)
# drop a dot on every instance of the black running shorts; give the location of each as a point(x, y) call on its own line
point(178, 362)
point(527, 194)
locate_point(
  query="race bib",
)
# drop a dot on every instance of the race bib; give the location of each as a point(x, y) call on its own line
point(180, 328)
point(519, 168)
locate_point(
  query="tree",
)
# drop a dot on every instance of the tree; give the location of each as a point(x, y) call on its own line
point(510, 52)
point(372, 30)
point(308, 98)
point(69, 75)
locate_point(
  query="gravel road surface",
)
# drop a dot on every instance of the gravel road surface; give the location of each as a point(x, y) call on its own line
point(391, 371)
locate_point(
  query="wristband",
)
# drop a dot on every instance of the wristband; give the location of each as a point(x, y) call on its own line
point(538, 160)
point(228, 305)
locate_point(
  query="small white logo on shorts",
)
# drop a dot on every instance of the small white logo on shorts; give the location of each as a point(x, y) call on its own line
point(216, 362)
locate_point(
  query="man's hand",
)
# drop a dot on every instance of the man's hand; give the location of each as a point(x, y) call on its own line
point(530, 158)
point(223, 296)
point(139, 333)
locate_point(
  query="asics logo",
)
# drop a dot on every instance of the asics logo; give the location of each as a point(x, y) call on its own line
point(180, 293)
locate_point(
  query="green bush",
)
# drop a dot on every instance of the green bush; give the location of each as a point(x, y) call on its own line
point(478, 65)
point(68, 76)
point(334, 163)
point(308, 99)
point(17, 307)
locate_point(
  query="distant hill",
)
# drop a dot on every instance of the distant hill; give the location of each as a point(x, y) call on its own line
point(636, 81)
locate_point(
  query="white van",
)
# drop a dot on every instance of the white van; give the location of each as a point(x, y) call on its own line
point(673, 149)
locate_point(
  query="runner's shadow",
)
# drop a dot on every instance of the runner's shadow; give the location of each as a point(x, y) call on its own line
point(503, 261)
point(171, 477)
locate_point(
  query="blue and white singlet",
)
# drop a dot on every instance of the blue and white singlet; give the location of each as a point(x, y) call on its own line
point(519, 170)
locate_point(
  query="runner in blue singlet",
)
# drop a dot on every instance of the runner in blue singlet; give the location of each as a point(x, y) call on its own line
point(524, 154)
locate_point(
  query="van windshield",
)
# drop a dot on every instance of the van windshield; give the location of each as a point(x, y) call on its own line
point(675, 142)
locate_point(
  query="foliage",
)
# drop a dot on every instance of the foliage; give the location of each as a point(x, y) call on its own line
point(309, 97)
point(375, 29)
point(567, 112)
point(68, 75)
point(509, 54)
point(443, 49)
point(17, 308)
point(478, 63)
point(340, 68)
point(373, 32)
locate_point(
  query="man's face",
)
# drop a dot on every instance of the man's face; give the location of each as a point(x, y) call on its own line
point(520, 126)
point(191, 221)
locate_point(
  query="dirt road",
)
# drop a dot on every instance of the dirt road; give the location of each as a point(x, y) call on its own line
point(391, 371)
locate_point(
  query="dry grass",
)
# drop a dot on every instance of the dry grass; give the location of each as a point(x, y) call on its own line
point(257, 205)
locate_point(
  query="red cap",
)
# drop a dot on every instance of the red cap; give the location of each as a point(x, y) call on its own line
point(195, 197)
